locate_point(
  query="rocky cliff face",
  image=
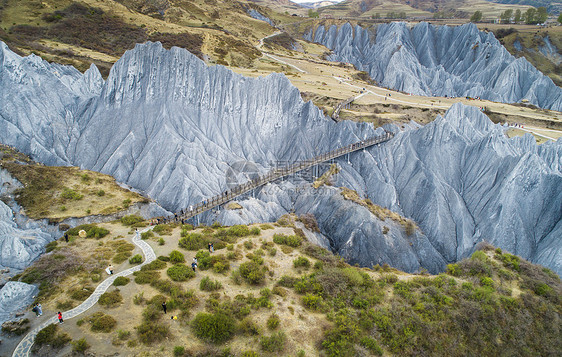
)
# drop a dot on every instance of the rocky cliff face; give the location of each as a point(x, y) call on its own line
point(439, 60)
point(165, 123)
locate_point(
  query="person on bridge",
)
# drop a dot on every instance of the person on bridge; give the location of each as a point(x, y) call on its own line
point(59, 315)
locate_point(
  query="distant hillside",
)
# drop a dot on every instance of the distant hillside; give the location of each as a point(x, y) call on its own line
point(82, 32)
point(415, 8)
point(317, 4)
point(553, 6)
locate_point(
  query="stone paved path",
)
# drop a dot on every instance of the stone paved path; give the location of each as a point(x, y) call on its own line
point(24, 347)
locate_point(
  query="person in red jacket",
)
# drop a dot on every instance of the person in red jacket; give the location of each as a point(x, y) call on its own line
point(60, 317)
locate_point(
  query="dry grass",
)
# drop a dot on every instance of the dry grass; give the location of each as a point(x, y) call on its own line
point(59, 192)
point(381, 212)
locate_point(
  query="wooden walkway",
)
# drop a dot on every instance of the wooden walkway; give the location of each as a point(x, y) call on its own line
point(275, 174)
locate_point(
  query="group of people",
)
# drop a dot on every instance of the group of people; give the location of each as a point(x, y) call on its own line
point(38, 310)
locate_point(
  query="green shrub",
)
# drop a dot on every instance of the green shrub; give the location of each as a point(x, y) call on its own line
point(252, 273)
point(192, 241)
point(273, 322)
point(273, 343)
point(121, 280)
point(131, 219)
point(176, 257)
point(156, 264)
point(291, 241)
point(301, 262)
point(162, 229)
point(51, 246)
point(238, 231)
point(102, 323)
point(511, 261)
point(136, 259)
point(150, 332)
point(92, 231)
point(207, 284)
point(81, 293)
point(216, 328)
point(248, 327)
point(312, 301)
point(80, 346)
point(255, 231)
point(180, 272)
point(250, 353)
point(161, 241)
point(121, 257)
point(164, 258)
point(146, 235)
point(69, 194)
point(453, 269)
point(487, 281)
point(179, 351)
point(146, 277)
point(371, 344)
point(110, 298)
point(123, 334)
point(50, 336)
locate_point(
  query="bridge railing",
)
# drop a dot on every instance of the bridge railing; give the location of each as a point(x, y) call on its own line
point(275, 174)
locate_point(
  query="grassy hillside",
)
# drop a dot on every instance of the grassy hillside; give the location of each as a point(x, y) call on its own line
point(59, 192)
point(81, 32)
point(416, 9)
point(267, 291)
point(531, 42)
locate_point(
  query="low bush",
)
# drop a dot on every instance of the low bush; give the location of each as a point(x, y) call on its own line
point(255, 231)
point(273, 343)
point(163, 229)
point(176, 257)
point(207, 284)
point(311, 301)
point(179, 351)
point(136, 259)
point(110, 298)
point(156, 264)
point(180, 272)
point(92, 231)
point(371, 344)
point(192, 241)
point(80, 346)
point(215, 328)
point(248, 327)
point(147, 235)
point(121, 257)
point(291, 241)
point(101, 322)
point(238, 231)
point(146, 277)
point(131, 219)
point(273, 322)
point(252, 273)
point(121, 281)
point(150, 332)
point(81, 293)
point(51, 336)
point(301, 262)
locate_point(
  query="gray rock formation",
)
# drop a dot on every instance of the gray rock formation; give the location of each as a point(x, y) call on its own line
point(19, 247)
point(258, 16)
point(439, 60)
point(15, 296)
point(167, 124)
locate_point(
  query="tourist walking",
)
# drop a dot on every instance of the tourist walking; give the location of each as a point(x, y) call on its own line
point(39, 309)
point(193, 266)
point(110, 269)
point(35, 310)
point(66, 237)
point(60, 317)
point(164, 306)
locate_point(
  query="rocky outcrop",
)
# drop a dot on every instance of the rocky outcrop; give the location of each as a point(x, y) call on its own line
point(439, 60)
point(15, 296)
point(258, 16)
point(167, 124)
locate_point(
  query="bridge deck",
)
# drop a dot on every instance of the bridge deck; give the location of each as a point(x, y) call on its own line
point(278, 173)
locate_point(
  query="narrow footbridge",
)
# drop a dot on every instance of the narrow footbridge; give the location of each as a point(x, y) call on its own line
point(273, 175)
